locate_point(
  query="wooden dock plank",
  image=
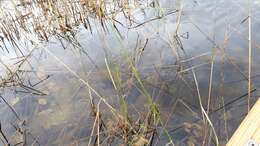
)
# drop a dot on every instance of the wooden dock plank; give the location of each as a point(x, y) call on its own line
point(249, 129)
point(256, 135)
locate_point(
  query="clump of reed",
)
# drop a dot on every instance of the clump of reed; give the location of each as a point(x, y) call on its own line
point(48, 17)
point(44, 18)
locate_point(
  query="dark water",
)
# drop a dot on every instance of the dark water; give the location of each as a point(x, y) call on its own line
point(207, 28)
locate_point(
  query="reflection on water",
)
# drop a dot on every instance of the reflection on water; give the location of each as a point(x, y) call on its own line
point(57, 111)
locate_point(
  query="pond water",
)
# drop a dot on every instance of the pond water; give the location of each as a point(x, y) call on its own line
point(53, 106)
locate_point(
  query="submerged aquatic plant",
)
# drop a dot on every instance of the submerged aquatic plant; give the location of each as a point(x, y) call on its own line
point(31, 22)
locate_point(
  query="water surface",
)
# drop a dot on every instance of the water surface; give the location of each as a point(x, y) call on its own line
point(58, 112)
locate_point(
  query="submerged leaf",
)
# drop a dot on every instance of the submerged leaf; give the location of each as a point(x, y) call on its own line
point(42, 101)
point(141, 141)
point(15, 100)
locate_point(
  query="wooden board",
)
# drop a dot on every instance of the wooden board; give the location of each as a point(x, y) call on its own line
point(249, 129)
